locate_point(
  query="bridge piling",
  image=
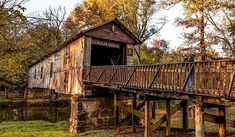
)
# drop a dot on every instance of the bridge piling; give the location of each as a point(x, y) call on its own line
point(185, 115)
point(116, 110)
point(147, 119)
point(222, 122)
point(153, 109)
point(168, 117)
point(199, 119)
point(134, 120)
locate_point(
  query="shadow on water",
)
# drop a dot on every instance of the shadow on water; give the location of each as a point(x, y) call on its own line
point(50, 114)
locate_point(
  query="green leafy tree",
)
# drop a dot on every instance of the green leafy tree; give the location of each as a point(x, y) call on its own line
point(12, 57)
point(209, 23)
point(153, 54)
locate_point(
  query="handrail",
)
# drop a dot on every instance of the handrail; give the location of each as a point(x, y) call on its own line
point(210, 78)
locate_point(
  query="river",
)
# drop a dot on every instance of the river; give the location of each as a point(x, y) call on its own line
point(50, 114)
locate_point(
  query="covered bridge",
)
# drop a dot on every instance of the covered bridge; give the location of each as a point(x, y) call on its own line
point(110, 43)
point(98, 61)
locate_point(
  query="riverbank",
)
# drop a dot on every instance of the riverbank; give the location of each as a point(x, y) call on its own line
point(44, 129)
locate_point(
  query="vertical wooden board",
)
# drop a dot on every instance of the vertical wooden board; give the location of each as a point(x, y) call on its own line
point(185, 115)
point(199, 120)
point(147, 119)
point(222, 124)
point(168, 117)
point(87, 52)
point(134, 120)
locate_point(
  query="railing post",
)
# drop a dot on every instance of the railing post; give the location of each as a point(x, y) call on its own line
point(228, 92)
point(129, 79)
point(154, 77)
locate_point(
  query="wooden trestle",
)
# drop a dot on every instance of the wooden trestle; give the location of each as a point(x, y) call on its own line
point(212, 86)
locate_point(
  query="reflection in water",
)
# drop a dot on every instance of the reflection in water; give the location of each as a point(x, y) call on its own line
point(51, 114)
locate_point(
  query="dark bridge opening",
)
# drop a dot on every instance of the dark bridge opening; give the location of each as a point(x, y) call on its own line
point(104, 55)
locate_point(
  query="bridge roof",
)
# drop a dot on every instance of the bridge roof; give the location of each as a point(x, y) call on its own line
point(103, 31)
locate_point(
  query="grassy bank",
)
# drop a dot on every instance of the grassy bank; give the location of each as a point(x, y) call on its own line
point(43, 129)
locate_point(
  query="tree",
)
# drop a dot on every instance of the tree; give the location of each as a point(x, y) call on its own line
point(210, 23)
point(178, 55)
point(135, 14)
point(224, 26)
point(12, 59)
point(25, 40)
point(155, 53)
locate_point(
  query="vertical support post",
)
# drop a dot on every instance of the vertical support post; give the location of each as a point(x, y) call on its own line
point(199, 120)
point(168, 117)
point(154, 109)
point(116, 111)
point(146, 119)
point(133, 116)
point(222, 124)
point(74, 115)
point(185, 115)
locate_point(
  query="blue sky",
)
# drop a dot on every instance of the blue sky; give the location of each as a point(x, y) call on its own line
point(169, 32)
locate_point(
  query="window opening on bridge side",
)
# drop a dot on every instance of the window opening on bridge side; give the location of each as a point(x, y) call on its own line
point(35, 73)
point(41, 72)
point(51, 69)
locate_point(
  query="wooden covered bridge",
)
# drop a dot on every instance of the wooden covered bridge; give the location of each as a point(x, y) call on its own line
point(96, 66)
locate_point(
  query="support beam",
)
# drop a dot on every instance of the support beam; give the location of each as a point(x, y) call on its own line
point(153, 109)
point(116, 111)
point(147, 119)
point(129, 109)
point(74, 115)
point(134, 120)
point(199, 120)
point(222, 122)
point(159, 122)
point(168, 117)
point(185, 115)
point(130, 114)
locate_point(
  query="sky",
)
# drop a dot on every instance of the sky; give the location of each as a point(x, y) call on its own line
point(169, 32)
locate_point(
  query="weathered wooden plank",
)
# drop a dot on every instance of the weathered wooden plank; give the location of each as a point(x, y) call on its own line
point(147, 119)
point(168, 117)
point(185, 115)
point(199, 120)
point(116, 110)
point(100, 75)
point(222, 122)
point(132, 73)
point(134, 120)
point(154, 77)
point(129, 109)
point(130, 115)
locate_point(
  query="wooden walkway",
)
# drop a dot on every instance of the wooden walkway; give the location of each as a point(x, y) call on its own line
point(212, 79)
point(212, 83)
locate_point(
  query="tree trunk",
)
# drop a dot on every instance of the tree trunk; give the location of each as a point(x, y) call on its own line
point(202, 33)
point(6, 94)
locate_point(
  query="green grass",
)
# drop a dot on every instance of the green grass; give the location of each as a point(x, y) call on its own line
point(43, 129)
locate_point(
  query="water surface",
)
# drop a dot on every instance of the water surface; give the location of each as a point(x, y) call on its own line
point(50, 114)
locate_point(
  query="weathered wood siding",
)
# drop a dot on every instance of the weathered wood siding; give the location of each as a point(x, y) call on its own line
point(66, 73)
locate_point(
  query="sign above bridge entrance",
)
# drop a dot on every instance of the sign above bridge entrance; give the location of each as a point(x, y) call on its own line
point(105, 43)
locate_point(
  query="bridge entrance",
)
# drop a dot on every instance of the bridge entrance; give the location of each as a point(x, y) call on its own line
point(108, 55)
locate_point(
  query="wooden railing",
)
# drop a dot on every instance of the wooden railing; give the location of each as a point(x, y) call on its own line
point(214, 78)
